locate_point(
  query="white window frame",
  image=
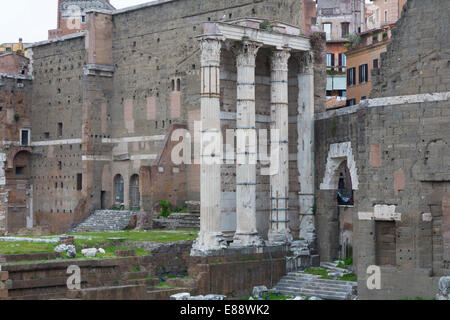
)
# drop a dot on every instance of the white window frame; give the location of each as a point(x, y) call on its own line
point(328, 34)
point(329, 62)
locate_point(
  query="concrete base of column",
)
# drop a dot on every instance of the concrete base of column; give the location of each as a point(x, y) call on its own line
point(207, 242)
point(247, 240)
point(279, 237)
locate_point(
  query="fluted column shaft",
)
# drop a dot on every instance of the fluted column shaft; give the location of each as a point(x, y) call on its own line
point(210, 236)
point(246, 231)
point(306, 145)
point(279, 183)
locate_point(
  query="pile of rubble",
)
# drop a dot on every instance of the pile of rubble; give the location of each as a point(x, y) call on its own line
point(304, 253)
point(187, 296)
point(335, 271)
point(444, 289)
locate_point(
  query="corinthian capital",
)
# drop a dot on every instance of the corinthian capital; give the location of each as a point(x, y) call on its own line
point(246, 52)
point(210, 50)
point(280, 59)
point(306, 62)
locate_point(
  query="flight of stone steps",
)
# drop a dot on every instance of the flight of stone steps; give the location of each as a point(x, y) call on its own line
point(105, 220)
point(302, 284)
point(185, 220)
point(188, 220)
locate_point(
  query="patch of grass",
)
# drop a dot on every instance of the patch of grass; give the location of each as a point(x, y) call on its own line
point(349, 277)
point(136, 269)
point(22, 247)
point(177, 277)
point(318, 272)
point(164, 285)
point(151, 235)
point(274, 296)
point(344, 264)
point(100, 240)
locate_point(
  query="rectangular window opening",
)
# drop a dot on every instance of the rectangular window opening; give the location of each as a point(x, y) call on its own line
point(79, 181)
point(60, 129)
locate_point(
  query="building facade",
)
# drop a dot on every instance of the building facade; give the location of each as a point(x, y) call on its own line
point(381, 17)
point(339, 19)
point(362, 60)
point(16, 201)
point(380, 13)
point(18, 47)
point(72, 15)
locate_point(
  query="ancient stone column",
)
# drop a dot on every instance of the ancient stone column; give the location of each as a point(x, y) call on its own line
point(279, 182)
point(305, 157)
point(210, 236)
point(246, 153)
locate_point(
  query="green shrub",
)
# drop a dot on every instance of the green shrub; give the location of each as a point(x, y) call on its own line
point(165, 208)
point(266, 25)
point(348, 261)
point(354, 39)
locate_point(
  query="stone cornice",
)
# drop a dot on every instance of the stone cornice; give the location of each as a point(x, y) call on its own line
point(268, 38)
point(385, 101)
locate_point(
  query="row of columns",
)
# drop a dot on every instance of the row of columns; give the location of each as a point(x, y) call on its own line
point(210, 236)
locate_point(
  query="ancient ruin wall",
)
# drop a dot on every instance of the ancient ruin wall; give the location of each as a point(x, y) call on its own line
point(401, 151)
point(417, 60)
point(56, 136)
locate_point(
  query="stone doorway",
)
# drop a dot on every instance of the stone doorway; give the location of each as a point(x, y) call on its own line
point(103, 200)
point(341, 180)
point(135, 196)
point(345, 202)
point(385, 243)
point(118, 190)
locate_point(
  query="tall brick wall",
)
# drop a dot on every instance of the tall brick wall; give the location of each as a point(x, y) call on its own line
point(417, 59)
point(15, 114)
point(57, 98)
point(402, 158)
point(3, 194)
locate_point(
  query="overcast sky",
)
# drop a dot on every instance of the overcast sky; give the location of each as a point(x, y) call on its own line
point(31, 19)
